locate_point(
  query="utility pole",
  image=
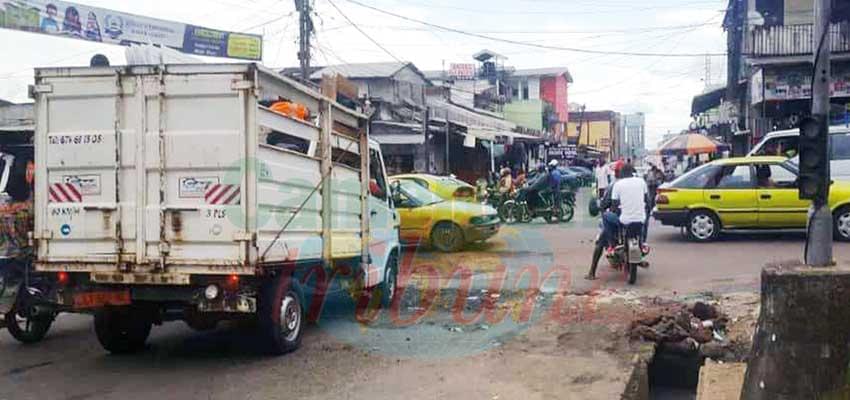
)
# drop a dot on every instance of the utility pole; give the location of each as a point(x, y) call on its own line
point(448, 142)
point(305, 24)
point(819, 240)
point(800, 344)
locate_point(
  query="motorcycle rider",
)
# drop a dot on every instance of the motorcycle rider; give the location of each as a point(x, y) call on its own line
point(625, 206)
point(555, 178)
point(538, 183)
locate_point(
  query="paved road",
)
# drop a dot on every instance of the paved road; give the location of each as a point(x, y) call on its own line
point(343, 359)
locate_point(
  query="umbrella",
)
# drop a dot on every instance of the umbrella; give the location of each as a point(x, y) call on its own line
point(689, 144)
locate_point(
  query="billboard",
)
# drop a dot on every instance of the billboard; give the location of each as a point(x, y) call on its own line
point(462, 71)
point(65, 19)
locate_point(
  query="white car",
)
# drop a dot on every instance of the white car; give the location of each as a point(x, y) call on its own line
point(785, 143)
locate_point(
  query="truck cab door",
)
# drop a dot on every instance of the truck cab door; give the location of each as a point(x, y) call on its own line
point(382, 218)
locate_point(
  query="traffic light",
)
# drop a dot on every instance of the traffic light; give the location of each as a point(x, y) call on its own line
point(814, 159)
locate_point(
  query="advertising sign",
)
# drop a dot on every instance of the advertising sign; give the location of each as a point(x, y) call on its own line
point(64, 19)
point(462, 71)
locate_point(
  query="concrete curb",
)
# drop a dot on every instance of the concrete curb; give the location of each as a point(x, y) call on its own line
point(638, 386)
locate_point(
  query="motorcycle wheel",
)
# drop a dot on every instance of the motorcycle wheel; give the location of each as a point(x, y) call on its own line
point(567, 212)
point(24, 328)
point(632, 273)
point(507, 212)
point(523, 214)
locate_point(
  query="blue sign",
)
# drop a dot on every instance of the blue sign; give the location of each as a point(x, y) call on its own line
point(65, 230)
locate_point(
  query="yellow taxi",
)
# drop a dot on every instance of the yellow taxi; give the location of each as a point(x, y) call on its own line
point(744, 193)
point(447, 225)
point(447, 187)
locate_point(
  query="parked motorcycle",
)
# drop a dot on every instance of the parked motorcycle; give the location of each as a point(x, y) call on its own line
point(495, 199)
point(628, 254)
point(527, 206)
point(21, 303)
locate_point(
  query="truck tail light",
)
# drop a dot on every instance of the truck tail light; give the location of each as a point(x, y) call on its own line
point(63, 278)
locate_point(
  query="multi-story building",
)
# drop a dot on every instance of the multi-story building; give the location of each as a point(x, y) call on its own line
point(633, 144)
point(597, 131)
point(539, 98)
point(422, 128)
point(771, 45)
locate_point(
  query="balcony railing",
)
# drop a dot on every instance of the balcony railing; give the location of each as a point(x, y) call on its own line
point(794, 40)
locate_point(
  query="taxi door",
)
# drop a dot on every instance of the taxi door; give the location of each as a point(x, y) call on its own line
point(779, 202)
point(733, 197)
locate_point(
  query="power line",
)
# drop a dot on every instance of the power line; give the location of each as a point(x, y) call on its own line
point(364, 32)
point(493, 11)
point(521, 43)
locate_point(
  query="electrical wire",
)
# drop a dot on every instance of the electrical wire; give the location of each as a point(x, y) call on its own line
point(364, 32)
point(527, 44)
point(494, 11)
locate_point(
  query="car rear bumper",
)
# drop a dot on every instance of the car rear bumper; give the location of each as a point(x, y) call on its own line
point(671, 217)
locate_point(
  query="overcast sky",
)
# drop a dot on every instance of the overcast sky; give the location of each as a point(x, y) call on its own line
point(662, 87)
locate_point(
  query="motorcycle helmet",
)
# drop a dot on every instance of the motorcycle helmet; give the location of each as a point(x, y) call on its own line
point(554, 164)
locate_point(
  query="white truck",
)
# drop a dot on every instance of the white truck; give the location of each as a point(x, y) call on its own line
point(176, 192)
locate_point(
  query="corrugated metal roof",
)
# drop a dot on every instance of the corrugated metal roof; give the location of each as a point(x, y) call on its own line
point(554, 71)
point(362, 71)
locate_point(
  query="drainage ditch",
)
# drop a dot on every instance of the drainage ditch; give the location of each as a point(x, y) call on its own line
point(673, 375)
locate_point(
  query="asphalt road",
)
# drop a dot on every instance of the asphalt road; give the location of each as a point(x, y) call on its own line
point(339, 355)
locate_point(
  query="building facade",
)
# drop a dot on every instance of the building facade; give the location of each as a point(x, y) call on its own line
point(598, 131)
point(538, 99)
point(771, 45)
point(633, 143)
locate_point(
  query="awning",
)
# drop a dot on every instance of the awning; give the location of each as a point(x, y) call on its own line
point(493, 134)
point(707, 101)
point(399, 139)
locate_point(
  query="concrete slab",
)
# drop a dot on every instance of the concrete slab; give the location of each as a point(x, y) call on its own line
point(721, 381)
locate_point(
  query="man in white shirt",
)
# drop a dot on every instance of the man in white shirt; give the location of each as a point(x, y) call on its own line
point(631, 192)
point(603, 179)
point(628, 195)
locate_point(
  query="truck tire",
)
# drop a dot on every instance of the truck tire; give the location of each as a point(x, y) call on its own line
point(25, 329)
point(122, 330)
point(281, 315)
point(390, 284)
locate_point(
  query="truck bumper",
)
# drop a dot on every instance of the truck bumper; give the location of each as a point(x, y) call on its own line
point(671, 217)
point(86, 295)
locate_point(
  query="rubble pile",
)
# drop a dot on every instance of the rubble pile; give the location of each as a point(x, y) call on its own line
point(699, 328)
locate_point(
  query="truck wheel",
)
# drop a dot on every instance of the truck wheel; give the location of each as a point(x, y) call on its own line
point(390, 284)
point(447, 237)
point(24, 328)
point(281, 315)
point(122, 330)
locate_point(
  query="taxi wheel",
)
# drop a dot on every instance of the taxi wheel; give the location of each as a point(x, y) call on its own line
point(703, 226)
point(447, 237)
point(842, 224)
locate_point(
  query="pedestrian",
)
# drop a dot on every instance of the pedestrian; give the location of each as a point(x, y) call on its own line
point(603, 179)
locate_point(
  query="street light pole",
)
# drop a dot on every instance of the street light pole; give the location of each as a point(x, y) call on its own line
point(819, 239)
